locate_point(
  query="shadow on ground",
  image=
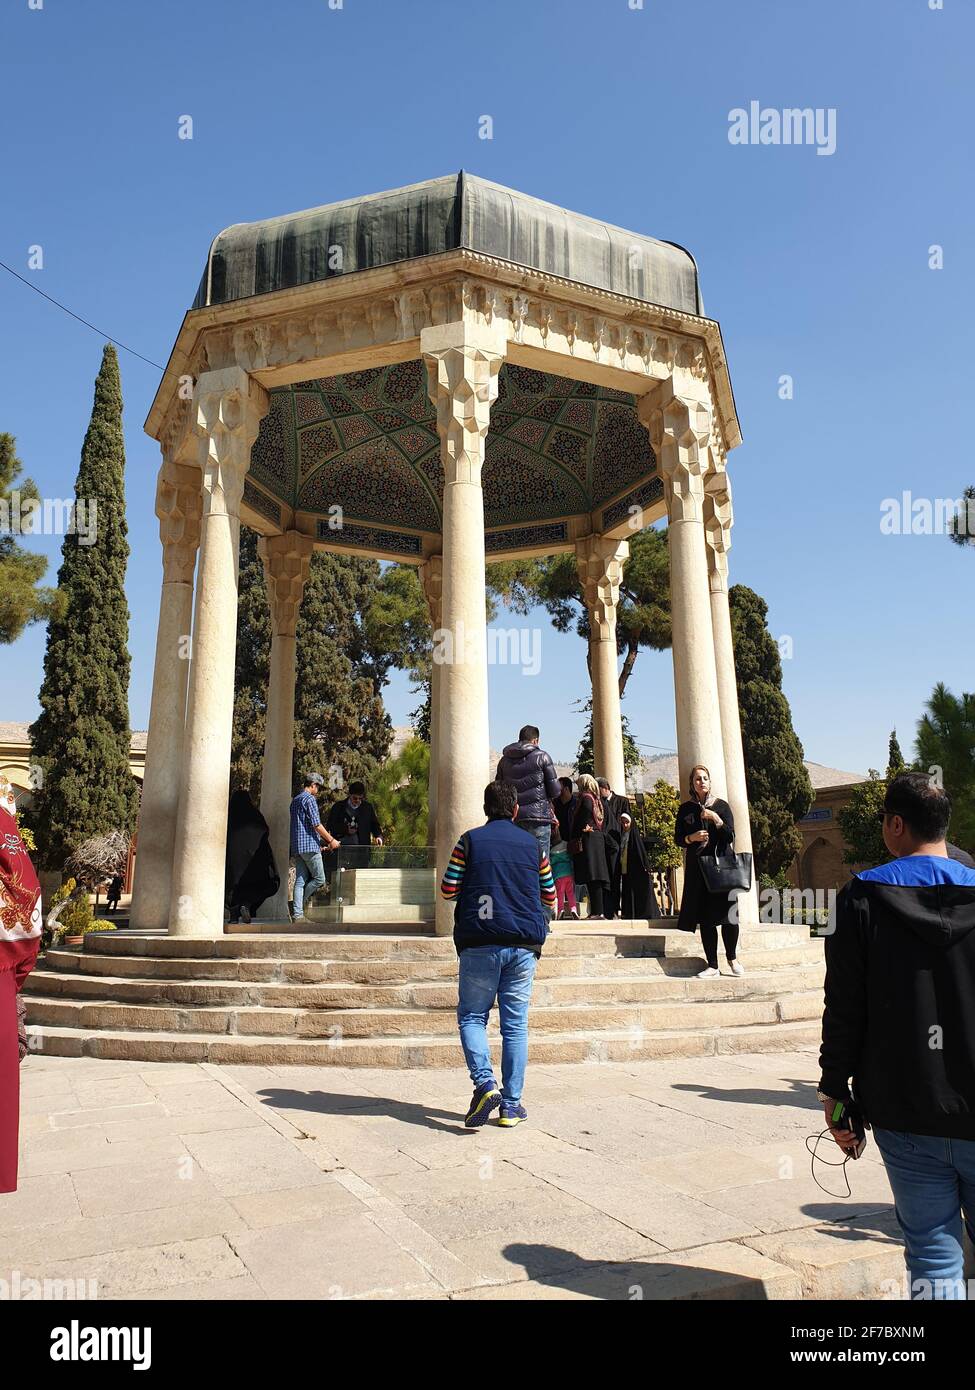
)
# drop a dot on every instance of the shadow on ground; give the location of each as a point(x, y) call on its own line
point(325, 1103)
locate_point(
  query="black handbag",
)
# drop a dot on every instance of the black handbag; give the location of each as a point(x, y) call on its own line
point(726, 873)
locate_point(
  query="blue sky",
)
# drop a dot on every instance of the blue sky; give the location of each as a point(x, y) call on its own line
point(816, 267)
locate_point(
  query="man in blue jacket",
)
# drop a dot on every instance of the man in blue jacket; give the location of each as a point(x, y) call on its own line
point(900, 1022)
point(499, 880)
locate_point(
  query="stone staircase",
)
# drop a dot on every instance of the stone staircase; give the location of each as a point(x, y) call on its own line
point(386, 998)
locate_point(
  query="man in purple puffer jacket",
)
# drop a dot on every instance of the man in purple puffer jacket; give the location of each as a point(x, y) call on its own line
point(533, 773)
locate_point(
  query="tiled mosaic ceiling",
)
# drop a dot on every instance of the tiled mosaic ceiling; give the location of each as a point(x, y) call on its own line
point(367, 442)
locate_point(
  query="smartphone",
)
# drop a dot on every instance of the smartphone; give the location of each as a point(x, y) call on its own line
point(849, 1117)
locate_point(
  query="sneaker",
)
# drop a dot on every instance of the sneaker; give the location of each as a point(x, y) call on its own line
point(511, 1114)
point(710, 972)
point(484, 1100)
point(736, 967)
point(245, 916)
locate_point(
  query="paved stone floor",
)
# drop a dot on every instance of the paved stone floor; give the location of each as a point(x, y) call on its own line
point(683, 1178)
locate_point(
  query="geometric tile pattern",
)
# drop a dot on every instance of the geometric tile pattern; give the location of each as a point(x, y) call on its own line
point(366, 442)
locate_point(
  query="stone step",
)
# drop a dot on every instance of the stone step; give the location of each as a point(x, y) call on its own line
point(421, 926)
point(417, 1051)
point(592, 1018)
point(677, 944)
point(442, 994)
point(380, 965)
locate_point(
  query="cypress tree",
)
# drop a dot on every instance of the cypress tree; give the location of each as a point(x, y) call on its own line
point(81, 738)
point(341, 726)
point(895, 758)
point(779, 790)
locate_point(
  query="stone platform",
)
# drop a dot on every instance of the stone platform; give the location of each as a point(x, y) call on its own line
point(685, 1178)
point(368, 997)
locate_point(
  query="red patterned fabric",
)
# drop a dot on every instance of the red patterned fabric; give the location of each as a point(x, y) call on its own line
point(20, 934)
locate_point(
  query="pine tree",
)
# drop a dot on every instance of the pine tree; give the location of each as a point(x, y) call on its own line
point(895, 758)
point(81, 738)
point(400, 794)
point(586, 758)
point(779, 790)
point(21, 602)
point(341, 727)
point(946, 749)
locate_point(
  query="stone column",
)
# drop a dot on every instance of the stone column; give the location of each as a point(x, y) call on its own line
point(600, 565)
point(228, 406)
point(431, 577)
point(718, 520)
point(680, 429)
point(463, 361)
point(178, 507)
point(286, 559)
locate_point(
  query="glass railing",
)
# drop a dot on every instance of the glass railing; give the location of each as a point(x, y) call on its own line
point(375, 884)
point(369, 884)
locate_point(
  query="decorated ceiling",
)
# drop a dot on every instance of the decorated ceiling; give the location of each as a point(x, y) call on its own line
point(367, 442)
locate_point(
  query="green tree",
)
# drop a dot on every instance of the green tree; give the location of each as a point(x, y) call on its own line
point(655, 815)
point(81, 738)
point(962, 529)
point(859, 820)
point(341, 726)
point(895, 758)
point(779, 790)
point(585, 757)
point(946, 741)
point(21, 602)
point(643, 615)
point(400, 794)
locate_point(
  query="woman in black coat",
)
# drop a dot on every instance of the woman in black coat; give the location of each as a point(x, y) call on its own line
point(251, 875)
point(706, 826)
point(587, 844)
point(633, 877)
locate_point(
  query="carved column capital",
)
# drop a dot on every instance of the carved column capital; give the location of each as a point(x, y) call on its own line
point(718, 521)
point(228, 406)
point(286, 560)
point(179, 505)
point(680, 429)
point(462, 379)
point(431, 577)
point(599, 561)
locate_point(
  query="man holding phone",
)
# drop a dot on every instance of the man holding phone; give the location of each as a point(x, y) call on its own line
point(900, 1022)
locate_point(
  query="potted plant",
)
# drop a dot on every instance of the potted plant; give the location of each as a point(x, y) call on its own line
point(70, 915)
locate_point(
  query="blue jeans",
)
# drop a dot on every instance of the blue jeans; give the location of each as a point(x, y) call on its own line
point(505, 974)
point(933, 1182)
point(542, 830)
point(309, 877)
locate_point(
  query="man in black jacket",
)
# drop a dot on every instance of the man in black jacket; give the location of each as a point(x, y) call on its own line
point(533, 773)
point(900, 1021)
point(353, 822)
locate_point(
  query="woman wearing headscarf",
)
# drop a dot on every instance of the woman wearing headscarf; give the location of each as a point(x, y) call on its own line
point(704, 827)
point(588, 845)
point(251, 873)
point(20, 936)
point(636, 888)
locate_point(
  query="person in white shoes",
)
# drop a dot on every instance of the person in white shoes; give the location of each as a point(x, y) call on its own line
point(704, 826)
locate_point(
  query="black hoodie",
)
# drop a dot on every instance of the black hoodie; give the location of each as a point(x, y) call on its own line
point(900, 998)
